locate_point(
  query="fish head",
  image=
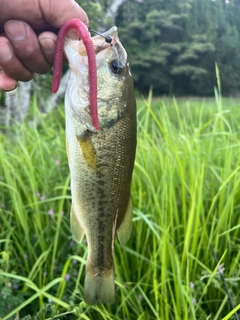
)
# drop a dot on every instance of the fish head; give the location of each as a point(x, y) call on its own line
point(114, 80)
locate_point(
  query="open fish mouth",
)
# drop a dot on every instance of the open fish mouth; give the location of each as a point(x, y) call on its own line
point(104, 40)
point(105, 34)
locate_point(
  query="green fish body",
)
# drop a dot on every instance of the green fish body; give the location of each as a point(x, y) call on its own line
point(101, 162)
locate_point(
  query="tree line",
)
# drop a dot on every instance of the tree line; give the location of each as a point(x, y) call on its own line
point(173, 45)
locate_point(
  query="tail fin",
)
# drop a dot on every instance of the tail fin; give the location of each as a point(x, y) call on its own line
point(99, 287)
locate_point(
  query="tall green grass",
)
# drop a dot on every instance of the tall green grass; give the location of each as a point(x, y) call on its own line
point(186, 197)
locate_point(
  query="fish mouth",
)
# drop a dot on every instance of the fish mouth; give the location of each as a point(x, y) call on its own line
point(104, 40)
point(78, 59)
point(100, 42)
point(109, 32)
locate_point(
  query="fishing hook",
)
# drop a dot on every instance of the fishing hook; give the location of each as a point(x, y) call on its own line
point(108, 39)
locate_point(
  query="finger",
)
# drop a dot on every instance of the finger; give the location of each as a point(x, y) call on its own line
point(57, 12)
point(10, 64)
point(47, 41)
point(26, 46)
point(26, 10)
point(42, 14)
point(6, 83)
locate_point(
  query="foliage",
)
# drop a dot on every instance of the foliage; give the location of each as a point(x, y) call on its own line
point(185, 195)
point(96, 11)
point(173, 45)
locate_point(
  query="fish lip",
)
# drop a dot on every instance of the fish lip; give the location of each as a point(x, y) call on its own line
point(98, 41)
point(100, 44)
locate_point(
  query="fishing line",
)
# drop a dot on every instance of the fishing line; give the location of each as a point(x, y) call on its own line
point(108, 39)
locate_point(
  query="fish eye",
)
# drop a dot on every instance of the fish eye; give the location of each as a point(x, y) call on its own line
point(116, 66)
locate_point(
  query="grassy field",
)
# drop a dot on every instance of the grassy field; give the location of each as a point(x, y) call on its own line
point(186, 197)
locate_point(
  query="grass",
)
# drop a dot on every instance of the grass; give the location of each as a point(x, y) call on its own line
point(186, 197)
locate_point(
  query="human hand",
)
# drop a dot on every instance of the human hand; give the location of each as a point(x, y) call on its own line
point(28, 35)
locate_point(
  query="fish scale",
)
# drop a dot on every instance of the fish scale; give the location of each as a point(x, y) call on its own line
point(101, 162)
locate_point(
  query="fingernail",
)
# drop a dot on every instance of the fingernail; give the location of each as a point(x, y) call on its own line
point(6, 52)
point(47, 45)
point(10, 89)
point(16, 30)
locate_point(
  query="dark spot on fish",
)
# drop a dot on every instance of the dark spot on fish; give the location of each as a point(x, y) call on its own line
point(110, 123)
point(103, 164)
point(100, 255)
point(101, 182)
point(101, 209)
point(102, 203)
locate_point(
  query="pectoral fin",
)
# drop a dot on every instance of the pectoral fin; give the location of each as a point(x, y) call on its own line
point(88, 152)
point(77, 229)
point(125, 228)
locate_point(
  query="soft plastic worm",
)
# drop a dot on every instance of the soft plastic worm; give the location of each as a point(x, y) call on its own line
point(84, 34)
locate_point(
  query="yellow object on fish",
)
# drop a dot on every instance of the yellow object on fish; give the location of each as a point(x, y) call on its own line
point(101, 161)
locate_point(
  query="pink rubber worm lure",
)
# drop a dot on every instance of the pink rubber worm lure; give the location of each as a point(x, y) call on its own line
point(84, 34)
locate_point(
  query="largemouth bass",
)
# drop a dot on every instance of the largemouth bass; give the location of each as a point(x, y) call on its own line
point(101, 161)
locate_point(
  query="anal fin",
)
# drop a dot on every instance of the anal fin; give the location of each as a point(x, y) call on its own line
point(77, 230)
point(125, 228)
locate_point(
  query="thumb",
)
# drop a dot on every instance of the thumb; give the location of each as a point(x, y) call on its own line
point(57, 12)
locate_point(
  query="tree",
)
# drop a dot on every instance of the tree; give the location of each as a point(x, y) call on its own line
point(173, 46)
point(159, 48)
